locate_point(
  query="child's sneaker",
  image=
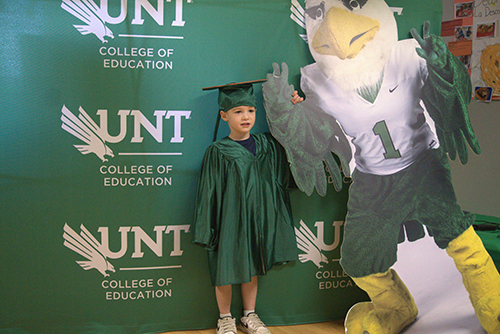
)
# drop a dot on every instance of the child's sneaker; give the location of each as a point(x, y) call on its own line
point(226, 325)
point(252, 324)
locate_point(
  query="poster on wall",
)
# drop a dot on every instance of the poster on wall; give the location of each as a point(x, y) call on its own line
point(104, 126)
point(475, 40)
point(486, 50)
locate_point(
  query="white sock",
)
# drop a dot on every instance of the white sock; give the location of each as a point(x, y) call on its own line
point(247, 312)
point(225, 315)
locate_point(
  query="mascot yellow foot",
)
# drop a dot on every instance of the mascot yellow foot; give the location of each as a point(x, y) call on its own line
point(480, 277)
point(392, 307)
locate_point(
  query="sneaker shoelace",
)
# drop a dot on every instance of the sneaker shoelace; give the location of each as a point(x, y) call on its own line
point(227, 324)
point(254, 321)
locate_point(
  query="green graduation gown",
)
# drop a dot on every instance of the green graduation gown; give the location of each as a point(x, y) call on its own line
point(243, 213)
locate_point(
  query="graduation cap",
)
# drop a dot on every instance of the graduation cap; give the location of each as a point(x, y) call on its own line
point(234, 95)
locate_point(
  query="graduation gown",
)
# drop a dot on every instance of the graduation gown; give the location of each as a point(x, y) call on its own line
point(243, 213)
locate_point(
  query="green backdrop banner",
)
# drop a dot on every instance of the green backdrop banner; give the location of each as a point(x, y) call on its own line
point(104, 125)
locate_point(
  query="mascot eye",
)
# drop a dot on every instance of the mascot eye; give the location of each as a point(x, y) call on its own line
point(354, 4)
point(316, 12)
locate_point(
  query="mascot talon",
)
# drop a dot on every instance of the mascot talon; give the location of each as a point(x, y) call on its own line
point(354, 319)
point(480, 278)
point(392, 307)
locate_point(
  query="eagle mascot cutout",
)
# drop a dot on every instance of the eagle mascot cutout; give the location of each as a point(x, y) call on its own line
point(368, 98)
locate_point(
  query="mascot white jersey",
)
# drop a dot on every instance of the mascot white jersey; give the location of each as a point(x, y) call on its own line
point(389, 133)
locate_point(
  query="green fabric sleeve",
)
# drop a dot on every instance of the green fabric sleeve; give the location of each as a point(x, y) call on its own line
point(209, 192)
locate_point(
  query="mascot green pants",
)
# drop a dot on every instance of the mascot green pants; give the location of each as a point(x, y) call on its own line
point(370, 249)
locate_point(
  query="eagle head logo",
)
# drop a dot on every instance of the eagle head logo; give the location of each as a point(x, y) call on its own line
point(87, 246)
point(91, 15)
point(308, 243)
point(85, 129)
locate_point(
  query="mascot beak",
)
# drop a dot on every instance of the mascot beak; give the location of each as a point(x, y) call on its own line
point(344, 34)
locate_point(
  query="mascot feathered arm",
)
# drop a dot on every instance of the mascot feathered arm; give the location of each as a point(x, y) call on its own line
point(308, 136)
point(447, 94)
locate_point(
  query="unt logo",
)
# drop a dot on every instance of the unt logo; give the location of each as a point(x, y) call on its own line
point(96, 136)
point(96, 19)
point(313, 245)
point(97, 253)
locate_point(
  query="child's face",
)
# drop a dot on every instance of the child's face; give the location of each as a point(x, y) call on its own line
point(240, 120)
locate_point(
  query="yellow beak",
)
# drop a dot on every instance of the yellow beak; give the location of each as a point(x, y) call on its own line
point(344, 34)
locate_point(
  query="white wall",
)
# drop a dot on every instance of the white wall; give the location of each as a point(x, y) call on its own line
point(477, 184)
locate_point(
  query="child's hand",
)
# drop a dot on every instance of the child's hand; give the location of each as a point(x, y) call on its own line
point(296, 98)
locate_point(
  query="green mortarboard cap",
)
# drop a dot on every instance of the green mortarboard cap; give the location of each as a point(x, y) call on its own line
point(235, 95)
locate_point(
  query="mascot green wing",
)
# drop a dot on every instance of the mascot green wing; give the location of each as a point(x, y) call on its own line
point(309, 137)
point(446, 95)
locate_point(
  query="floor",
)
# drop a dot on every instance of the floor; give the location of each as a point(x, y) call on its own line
point(436, 286)
point(334, 327)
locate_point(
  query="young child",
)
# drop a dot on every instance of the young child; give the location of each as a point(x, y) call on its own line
point(243, 213)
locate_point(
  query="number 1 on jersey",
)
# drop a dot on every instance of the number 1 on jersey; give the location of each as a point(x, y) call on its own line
point(380, 129)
